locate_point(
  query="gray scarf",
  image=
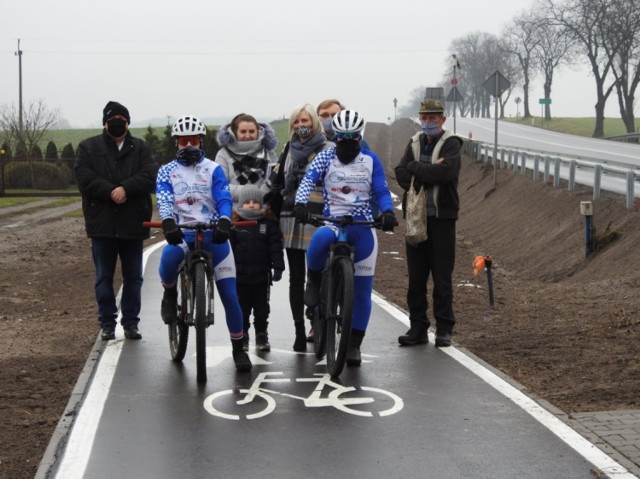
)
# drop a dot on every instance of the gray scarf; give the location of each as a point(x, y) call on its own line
point(250, 215)
point(300, 152)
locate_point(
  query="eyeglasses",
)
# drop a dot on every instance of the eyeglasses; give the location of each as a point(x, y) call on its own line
point(194, 140)
point(348, 136)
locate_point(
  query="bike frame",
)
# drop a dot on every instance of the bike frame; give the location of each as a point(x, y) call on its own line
point(340, 249)
point(196, 293)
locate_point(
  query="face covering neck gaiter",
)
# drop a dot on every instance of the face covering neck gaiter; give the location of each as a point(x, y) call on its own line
point(347, 150)
point(117, 127)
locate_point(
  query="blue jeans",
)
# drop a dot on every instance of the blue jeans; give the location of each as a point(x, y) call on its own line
point(105, 256)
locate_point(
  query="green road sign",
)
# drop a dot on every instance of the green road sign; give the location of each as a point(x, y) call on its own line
point(544, 101)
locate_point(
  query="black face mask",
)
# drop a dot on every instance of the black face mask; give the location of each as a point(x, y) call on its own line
point(189, 156)
point(116, 127)
point(347, 150)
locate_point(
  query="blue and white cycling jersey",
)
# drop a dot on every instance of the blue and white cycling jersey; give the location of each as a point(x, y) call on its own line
point(348, 189)
point(193, 194)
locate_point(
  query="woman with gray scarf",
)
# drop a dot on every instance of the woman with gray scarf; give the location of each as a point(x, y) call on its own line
point(307, 139)
point(246, 150)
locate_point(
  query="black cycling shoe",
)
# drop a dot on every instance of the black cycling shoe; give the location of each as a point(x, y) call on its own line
point(169, 306)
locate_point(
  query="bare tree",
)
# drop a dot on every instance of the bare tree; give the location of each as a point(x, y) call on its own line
point(622, 43)
point(409, 110)
point(520, 40)
point(554, 47)
point(37, 120)
point(479, 54)
point(585, 21)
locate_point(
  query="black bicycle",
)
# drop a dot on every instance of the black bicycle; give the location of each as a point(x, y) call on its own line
point(195, 298)
point(331, 317)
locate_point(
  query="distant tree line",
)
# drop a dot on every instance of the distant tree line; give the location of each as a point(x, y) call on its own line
point(604, 34)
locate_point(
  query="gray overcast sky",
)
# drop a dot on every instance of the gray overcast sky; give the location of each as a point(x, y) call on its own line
point(211, 58)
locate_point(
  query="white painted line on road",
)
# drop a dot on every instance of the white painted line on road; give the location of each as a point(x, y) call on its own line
point(574, 440)
point(83, 432)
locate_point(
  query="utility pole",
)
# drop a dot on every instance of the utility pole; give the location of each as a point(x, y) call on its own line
point(19, 54)
point(395, 108)
point(454, 82)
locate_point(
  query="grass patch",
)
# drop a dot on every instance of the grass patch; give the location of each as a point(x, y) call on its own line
point(577, 126)
point(5, 201)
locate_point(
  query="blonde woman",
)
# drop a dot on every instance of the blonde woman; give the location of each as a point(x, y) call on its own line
point(306, 140)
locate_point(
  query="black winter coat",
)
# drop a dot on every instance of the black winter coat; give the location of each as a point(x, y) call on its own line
point(100, 167)
point(257, 250)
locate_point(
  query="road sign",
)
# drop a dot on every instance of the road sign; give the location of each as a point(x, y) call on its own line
point(544, 101)
point(455, 95)
point(454, 81)
point(496, 82)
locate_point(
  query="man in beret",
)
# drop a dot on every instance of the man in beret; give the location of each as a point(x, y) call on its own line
point(116, 174)
point(432, 161)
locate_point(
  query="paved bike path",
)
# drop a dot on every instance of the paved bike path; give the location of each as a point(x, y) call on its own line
point(443, 414)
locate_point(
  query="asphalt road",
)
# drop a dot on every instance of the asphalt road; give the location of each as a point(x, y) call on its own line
point(407, 412)
point(522, 136)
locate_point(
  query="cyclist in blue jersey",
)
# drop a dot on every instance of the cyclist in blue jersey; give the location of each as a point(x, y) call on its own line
point(194, 189)
point(350, 176)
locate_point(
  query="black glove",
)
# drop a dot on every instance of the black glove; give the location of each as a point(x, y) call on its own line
point(277, 275)
point(223, 231)
point(172, 233)
point(388, 221)
point(302, 214)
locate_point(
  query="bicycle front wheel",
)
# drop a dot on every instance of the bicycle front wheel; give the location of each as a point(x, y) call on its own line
point(179, 330)
point(201, 315)
point(339, 312)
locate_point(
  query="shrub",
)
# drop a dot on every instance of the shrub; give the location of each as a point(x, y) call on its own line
point(40, 175)
point(68, 151)
point(52, 151)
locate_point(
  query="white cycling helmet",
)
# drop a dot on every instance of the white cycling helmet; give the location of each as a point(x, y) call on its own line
point(187, 126)
point(348, 124)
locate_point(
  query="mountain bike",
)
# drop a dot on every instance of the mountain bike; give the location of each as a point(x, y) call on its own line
point(195, 297)
point(331, 317)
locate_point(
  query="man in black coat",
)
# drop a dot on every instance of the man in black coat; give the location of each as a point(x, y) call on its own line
point(116, 174)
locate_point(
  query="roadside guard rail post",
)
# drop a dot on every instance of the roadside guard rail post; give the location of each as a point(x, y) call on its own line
point(586, 171)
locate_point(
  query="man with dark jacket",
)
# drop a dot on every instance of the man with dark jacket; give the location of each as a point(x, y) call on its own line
point(432, 161)
point(116, 174)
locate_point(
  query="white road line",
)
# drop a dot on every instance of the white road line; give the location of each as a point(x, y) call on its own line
point(574, 440)
point(78, 448)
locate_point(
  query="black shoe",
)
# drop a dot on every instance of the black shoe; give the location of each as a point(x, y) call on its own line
point(262, 342)
point(107, 333)
point(245, 342)
point(310, 336)
point(243, 363)
point(353, 350)
point(169, 306)
point(300, 344)
point(414, 336)
point(131, 332)
point(443, 340)
point(353, 355)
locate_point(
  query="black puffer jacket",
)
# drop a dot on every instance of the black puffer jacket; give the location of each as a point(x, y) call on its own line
point(100, 168)
point(257, 250)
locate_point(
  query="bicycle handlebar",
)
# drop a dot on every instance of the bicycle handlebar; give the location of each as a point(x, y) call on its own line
point(317, 220)
point(205, 226)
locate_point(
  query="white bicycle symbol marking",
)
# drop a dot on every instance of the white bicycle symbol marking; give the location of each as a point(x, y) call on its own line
point(214, 403)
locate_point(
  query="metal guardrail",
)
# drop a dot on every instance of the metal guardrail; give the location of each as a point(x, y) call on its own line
point(626, 138)
point(552, 168)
